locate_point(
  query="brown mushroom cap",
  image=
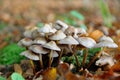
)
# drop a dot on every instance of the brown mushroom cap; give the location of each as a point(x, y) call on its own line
point(68, 40)
point(38, 49)
point(30, 55)
point(51, 45)
point(58, 35)
point(106, 44)
point(87, 42)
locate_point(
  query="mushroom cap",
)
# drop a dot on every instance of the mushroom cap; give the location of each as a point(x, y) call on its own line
point(69, 40)
point(55, 54)
point(38, 49)
point(25, 42)
point(45, 29)
point(106, 38)
point(105, 60)
point(86, 42)
point(51, 45)
point(35, 34)
point(28, 32)
point(40, 40)
point(106, 44)
point(58, 35)
point(61, 25)
point(70, 30)
point(30, 55)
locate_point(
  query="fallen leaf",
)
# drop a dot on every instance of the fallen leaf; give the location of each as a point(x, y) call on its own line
point(17, 68)
point(49, 74)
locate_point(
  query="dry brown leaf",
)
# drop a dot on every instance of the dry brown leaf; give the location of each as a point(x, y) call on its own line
point(116, 67)
point(70, 76)
point(18, 69)
point(49, 74)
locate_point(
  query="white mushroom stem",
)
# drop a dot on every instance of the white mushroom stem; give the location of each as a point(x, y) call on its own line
point(50, 58)
point(41, 62)
point(85, 57)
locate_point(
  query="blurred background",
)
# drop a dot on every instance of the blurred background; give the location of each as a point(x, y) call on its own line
point(16, 15)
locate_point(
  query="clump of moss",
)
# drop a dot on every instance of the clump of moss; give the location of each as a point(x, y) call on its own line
point(11, 54)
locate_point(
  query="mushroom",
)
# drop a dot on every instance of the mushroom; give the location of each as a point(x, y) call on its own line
point(88, 43)
point(61, 25)
point(25, 42)
point(38, 50)
point(47, 30)
point(28, 32)
point(105, 61)
point(52, 46)
point(58, 35)
point(69, 41)
point(106, 38)
point(40, 40)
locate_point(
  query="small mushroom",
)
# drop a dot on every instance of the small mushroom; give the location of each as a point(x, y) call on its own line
point(57, 36)
point(28, 32)
point(25, 42)
point(30, 55)
point(52, 46)
point(40, 40)
point(88, 43)
point(61, 25)
point(108, 44)
point(105, 38)
point(69, 40)
point(105, 60)
point(38, 50)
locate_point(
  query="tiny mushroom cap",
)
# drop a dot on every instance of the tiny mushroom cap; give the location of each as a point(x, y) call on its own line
point(30, 55)
point(58, 35)
point(106, 38)
point(70, 30)
point(104, 60)
point(38, 49)
point(106, 44)
point(87, 42)
point(61, 25)
point(28, 32)
point(25, 42)
point(68, 40)
point(40, 40)
point(55, 54)
point(51, 45)
point(35, 34)
point(45, 29)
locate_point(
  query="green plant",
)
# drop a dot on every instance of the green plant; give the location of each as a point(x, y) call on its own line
point(107, 17)
point(11, 54)
point(2, 78)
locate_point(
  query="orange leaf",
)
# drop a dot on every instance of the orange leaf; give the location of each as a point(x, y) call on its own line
point(96, 34)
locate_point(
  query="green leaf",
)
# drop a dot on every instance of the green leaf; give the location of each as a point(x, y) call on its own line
point(2, 78)
point(16, 76)
point(77, 15)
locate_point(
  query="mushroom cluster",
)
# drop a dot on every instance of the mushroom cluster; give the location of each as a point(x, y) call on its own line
point(53, 40)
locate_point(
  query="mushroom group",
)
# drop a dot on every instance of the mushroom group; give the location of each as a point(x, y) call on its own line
point(54, 40)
